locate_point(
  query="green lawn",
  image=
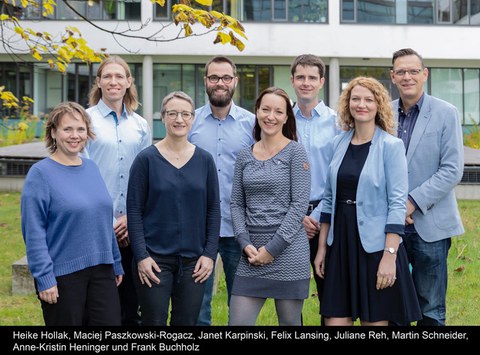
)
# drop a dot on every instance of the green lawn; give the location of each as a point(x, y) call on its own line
point(463, 299)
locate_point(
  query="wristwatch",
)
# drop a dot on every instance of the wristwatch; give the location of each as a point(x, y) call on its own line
point(391, 250)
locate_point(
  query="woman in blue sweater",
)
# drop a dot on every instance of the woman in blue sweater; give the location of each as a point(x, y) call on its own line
point(67, 218)
point(173, 206)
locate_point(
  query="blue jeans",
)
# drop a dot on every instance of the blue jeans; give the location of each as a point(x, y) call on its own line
point(429, 272)
point(230, 252)
point(176, 284)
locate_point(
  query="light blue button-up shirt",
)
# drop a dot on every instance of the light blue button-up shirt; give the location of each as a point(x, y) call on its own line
point(115, 147)
point(224, 139)
point(316, 134)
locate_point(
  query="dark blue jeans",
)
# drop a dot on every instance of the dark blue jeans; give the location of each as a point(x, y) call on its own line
point(176, 285)
point(230, 252)
point(429, 272)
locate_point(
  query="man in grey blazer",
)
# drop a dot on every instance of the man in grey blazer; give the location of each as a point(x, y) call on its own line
point(432, 133)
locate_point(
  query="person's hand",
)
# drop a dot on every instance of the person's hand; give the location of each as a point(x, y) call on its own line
point(386, 273)
point(312, 227)
point(262, 258)
point(203, 269)
point(118, 279)
point(319, 262)
point(410, 210)
point(121, 231)
point(146, 268)
point(250, 251)
point(50, 295)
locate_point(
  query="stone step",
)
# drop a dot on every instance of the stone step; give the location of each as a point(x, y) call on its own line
point(22, 280)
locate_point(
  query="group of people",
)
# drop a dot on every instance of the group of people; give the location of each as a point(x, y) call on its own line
point(363, 195)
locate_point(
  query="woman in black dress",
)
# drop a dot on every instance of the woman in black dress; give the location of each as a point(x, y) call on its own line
point(365, 265)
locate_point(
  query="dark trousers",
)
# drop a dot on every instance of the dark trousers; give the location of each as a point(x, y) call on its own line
point(86, 297)
point(127, 292)
point(176, 285)
point(313, 253)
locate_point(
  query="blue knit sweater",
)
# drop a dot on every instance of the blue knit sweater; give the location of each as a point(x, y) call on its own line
point(67, 221)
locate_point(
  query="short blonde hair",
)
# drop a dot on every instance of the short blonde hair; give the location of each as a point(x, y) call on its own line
point(384, 118)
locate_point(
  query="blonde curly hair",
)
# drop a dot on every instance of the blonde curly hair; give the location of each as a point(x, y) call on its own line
point(384, 117)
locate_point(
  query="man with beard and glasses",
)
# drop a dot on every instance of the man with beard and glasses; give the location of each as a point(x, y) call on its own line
point(223, 129)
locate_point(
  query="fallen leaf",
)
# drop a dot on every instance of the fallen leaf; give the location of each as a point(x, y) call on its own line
point(460, 268)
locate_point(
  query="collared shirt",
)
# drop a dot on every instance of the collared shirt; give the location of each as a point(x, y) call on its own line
point(115, 147)
point(224, 139)
point(316, 134)
point(406, 121)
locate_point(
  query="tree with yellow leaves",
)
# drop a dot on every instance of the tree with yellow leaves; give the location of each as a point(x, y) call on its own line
point(58, 50)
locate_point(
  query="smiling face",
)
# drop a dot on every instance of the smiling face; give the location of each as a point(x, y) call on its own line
point(363, 106)
point(178, 124)
point(220, 94)
point(272, 114)
point(307, 83)
point(409, 85)
point(113, 82)
point(70, 135)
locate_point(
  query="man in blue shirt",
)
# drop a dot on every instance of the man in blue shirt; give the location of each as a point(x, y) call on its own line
point(316, 127)
point(120, 135)
point(223, 129)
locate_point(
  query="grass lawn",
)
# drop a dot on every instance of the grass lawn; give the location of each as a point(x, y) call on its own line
point(463, 298)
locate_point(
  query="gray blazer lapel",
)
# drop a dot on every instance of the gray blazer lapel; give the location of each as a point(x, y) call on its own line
point(422, 121)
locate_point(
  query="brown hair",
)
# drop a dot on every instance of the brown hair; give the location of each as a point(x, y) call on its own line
point(221, 59)
point(404, 52)
point(308, 60)
point(131, 96)
point(54, 118)
point(289, 129)
point(384, 118)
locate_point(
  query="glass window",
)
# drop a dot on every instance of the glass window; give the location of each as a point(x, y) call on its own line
point(376, 11)
point(257, 10)
point(279, 10)
point(444, 11)
point(163, 12)
point(475, 12)
point(101, 9)
point(471, 96)
point(460, 12)
point(420, 11)
point(63, 12)
point(348, 10)
point(447, 85)
point(307, 11)
point(382, 74)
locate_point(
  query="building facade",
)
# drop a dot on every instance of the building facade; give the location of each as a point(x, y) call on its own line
point(353, 37)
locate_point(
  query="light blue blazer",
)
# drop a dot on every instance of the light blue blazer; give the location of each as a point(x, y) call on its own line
point(435, 167)
point(381, 193)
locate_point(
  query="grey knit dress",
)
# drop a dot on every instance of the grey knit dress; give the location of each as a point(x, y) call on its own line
point(269, 201)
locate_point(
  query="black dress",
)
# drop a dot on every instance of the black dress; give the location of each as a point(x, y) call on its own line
point(351, 272)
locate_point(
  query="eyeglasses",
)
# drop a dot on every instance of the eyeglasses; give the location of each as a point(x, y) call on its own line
point(227, 79)
point(402, 72)
point(172, 115)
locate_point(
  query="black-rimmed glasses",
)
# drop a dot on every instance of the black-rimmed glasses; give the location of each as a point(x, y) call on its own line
point(227, 79)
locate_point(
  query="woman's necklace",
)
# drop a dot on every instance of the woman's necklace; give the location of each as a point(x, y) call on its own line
point(176, 155)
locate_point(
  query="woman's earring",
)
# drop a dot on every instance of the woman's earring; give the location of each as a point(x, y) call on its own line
point(54, 143)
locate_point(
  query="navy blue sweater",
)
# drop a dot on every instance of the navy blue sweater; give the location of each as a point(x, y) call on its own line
point(173, 211)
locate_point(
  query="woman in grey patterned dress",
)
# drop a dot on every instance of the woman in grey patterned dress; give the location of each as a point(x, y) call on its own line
point(270, 194)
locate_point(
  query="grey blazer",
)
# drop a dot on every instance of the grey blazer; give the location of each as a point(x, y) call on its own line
point(435, 167)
